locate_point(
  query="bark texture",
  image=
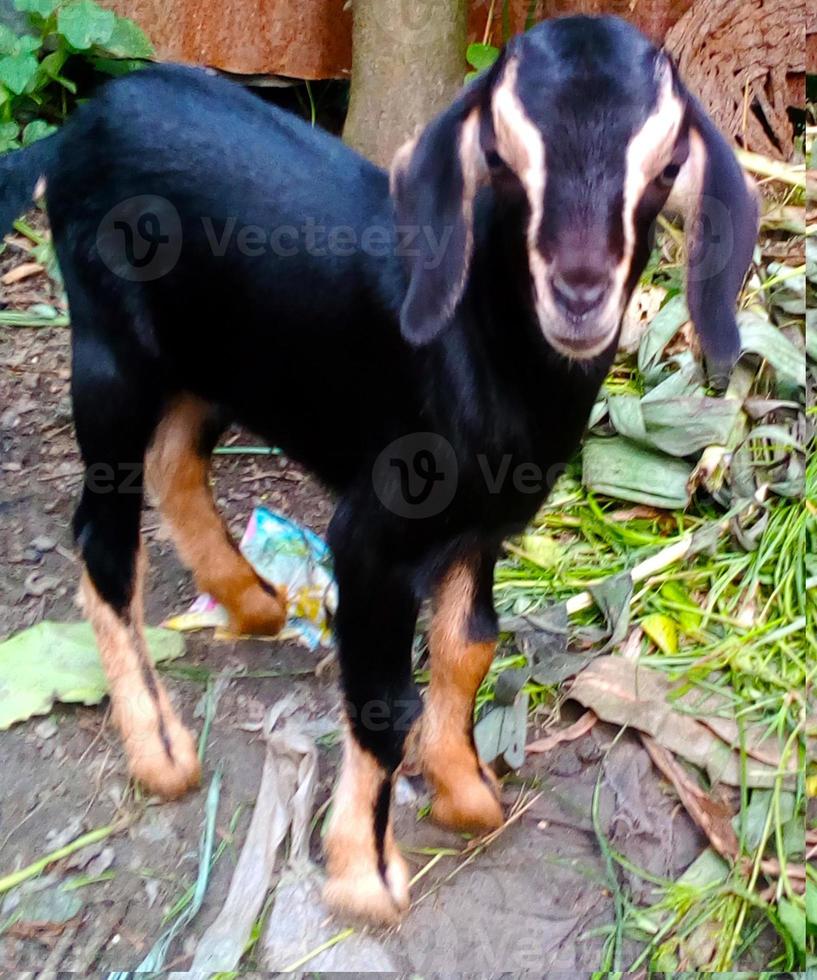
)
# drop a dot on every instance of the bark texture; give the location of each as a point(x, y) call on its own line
point(407, 64)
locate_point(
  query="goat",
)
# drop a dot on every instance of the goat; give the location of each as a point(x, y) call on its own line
point(455, 320)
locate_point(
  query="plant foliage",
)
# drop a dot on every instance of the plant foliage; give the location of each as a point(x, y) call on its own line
point(65, 40)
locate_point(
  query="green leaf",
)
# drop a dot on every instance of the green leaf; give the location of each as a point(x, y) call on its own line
point(42, 7)
point(8, 40)
point(662, 631)
point(689, 618)
point(752, 822)
point(84, 24)
point(542, 549)
point(620, 468)
point(17, 71)
point(37, 130)
point(59, 662)
point(128, 40)
point(678, 426)
point(665, 324)
point(9, 133)
point(793, 920)
point(760, 336)
point(811, 906)
point(29, 43)
point(116, 67)
point(52, 63)
point(481, 56)
point(51, 66)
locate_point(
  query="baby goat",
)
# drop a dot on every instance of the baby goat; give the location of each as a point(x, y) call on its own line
point(452, 327)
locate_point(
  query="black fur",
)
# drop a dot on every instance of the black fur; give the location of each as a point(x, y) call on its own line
point(304, 345)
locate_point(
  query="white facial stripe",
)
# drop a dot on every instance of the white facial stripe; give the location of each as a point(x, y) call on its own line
point(650, 150)
point(522, 147)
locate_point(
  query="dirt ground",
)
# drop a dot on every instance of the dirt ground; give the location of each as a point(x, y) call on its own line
point(536, 900)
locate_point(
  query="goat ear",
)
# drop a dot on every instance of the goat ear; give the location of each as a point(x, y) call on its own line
point(720, 212)
point(434, 182)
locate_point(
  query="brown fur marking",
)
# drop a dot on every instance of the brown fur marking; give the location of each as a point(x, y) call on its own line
point(465, 792)
point(178, 476)
point(161, 752)
point(356, 885)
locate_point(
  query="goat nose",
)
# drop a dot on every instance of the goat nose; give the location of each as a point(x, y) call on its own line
point(580, 289)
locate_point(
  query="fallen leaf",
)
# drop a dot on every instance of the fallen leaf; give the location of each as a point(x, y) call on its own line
point(628, 693)
point(712, 816)
point(574, 731)
point(59, 662)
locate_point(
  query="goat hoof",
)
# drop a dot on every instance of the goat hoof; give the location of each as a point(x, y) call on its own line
point(165, 766)
point(363, 893)
point(258, 612)
point(471, 805)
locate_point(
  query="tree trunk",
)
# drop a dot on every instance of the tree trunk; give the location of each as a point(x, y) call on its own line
point(408, 62)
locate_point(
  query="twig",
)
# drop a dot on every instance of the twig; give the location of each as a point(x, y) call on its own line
point(478, 847)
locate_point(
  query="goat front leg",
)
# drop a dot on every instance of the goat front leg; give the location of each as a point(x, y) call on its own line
point(377, 612)
point(462, 642)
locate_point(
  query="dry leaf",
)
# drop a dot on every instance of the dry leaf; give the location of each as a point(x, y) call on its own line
point(625, 692)
point(569, 734)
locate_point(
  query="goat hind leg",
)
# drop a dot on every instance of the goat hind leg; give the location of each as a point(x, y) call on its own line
point(178, 465)
point(161, 752)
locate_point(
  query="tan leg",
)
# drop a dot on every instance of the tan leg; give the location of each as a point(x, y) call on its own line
point(368, 877)
point(465, 792)
point(161, 752)
point(178, 476)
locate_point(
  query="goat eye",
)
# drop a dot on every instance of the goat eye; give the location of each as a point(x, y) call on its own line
point(667, 176)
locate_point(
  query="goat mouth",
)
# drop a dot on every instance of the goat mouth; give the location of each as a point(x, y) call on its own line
point(581, 346)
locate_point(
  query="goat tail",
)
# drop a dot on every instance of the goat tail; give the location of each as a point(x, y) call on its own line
point(19, 172)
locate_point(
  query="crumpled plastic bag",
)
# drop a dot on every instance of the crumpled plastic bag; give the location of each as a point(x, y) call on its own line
point(284, 554)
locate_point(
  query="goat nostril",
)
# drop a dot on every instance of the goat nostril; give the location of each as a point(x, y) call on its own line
point(579, 293)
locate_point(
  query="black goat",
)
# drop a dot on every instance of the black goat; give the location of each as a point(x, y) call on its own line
point(454, 330)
